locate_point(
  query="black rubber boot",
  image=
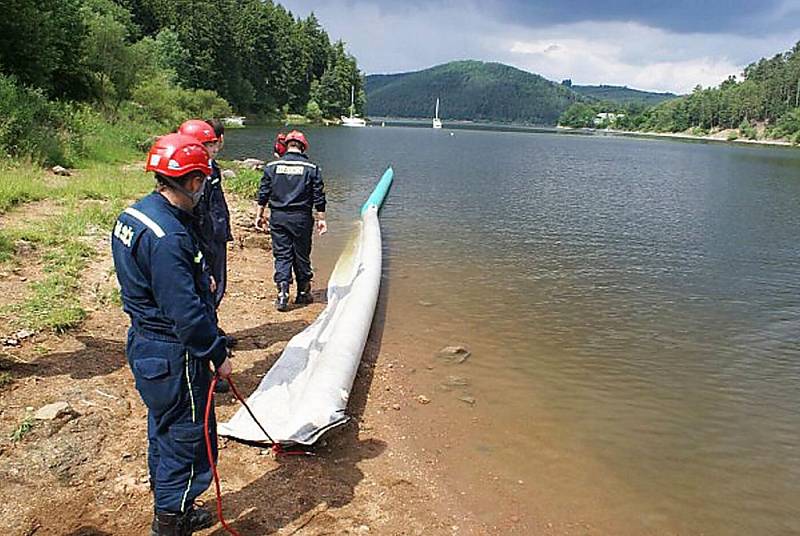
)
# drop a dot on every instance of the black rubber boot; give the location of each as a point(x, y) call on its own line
point(282, 303)
point(199, 519)
point(172, 524)
point(304, 296)
point(196, 519)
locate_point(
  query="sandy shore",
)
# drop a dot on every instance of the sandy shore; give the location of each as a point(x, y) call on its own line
point(721, 136)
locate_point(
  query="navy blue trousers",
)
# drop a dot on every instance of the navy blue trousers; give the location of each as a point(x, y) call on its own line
point(291, 245)
point(174, 387)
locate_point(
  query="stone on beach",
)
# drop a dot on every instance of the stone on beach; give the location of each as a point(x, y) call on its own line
point(251, 163)
point(456, 354)
point(53, 411)
point(61, 171)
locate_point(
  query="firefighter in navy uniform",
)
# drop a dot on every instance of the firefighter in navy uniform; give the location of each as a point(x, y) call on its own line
point(212, 223)
point(213, 218)
point(173, 337)
point(292, 186)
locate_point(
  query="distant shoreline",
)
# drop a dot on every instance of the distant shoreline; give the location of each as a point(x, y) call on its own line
point(717, 137)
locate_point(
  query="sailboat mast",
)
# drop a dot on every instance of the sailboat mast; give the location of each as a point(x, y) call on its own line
point(437, 108)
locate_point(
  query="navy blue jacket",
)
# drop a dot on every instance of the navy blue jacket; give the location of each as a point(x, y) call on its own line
point(212, 222)
point(213, 216)
point(292, 183)
point(162, 275)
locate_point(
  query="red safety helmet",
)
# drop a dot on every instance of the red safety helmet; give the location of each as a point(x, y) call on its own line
point(175, 155)
point(299, 137)
point(280, 144)
point(200, 130)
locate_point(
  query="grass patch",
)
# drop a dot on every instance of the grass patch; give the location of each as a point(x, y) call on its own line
point(245, 183)
point(6, 247)
point(52, 305)
point(5, 379)
point(24, 182)
point(111, 296)
point(22, 430)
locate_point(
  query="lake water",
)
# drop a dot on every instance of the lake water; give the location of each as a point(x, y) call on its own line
point(632, 306)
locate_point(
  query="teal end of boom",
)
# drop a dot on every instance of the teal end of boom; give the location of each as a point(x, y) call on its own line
point(380, 191)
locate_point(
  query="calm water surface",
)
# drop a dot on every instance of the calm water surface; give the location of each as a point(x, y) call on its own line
point(632, 301)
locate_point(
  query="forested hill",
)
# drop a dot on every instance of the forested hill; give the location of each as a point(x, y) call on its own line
point(621, 94)
point(469, 90)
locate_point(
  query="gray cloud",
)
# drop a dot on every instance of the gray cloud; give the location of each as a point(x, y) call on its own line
point(626, 43)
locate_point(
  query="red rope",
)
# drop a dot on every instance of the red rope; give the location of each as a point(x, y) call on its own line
point(277, 449)
point(209, 403)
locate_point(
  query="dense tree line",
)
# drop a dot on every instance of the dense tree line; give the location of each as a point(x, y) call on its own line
point(253, 53)
point(469, 90)
point(619, 94)
point(68, 65)
point(767, 95)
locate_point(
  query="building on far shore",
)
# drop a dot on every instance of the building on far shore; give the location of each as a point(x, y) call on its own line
point(607, 118)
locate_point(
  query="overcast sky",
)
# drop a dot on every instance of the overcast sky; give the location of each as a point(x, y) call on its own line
point(664, 45)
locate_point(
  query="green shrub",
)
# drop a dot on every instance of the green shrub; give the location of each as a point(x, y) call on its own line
point(747, 130)
point(158, 101)
point(788, 125)
point(698, 131)
point(313, 111)
point(732, 136)
point(31, 126)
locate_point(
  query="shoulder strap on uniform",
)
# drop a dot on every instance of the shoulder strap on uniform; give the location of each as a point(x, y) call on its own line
point(145, 219)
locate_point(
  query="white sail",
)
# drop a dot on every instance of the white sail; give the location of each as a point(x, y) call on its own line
point(437, 123)
point(353, 121)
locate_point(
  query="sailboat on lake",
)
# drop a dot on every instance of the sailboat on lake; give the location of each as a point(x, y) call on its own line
point(353, 121)
point(437, 123)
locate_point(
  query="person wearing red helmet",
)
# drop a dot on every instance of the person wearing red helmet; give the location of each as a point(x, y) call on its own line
point(213, 220)
point(279, 148)
point(292, 187)
point(173, 338)
point(212, 217)
point(199, 130)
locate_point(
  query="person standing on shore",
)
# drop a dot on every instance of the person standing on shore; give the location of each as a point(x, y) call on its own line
point(292, 186)
point(173, 338)
point(212, 217)
point(279, 148)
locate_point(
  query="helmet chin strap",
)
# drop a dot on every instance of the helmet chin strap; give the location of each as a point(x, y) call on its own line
point(194, 197)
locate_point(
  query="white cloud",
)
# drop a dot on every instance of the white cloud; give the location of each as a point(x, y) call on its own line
point(616, 61)
point(414, 36)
